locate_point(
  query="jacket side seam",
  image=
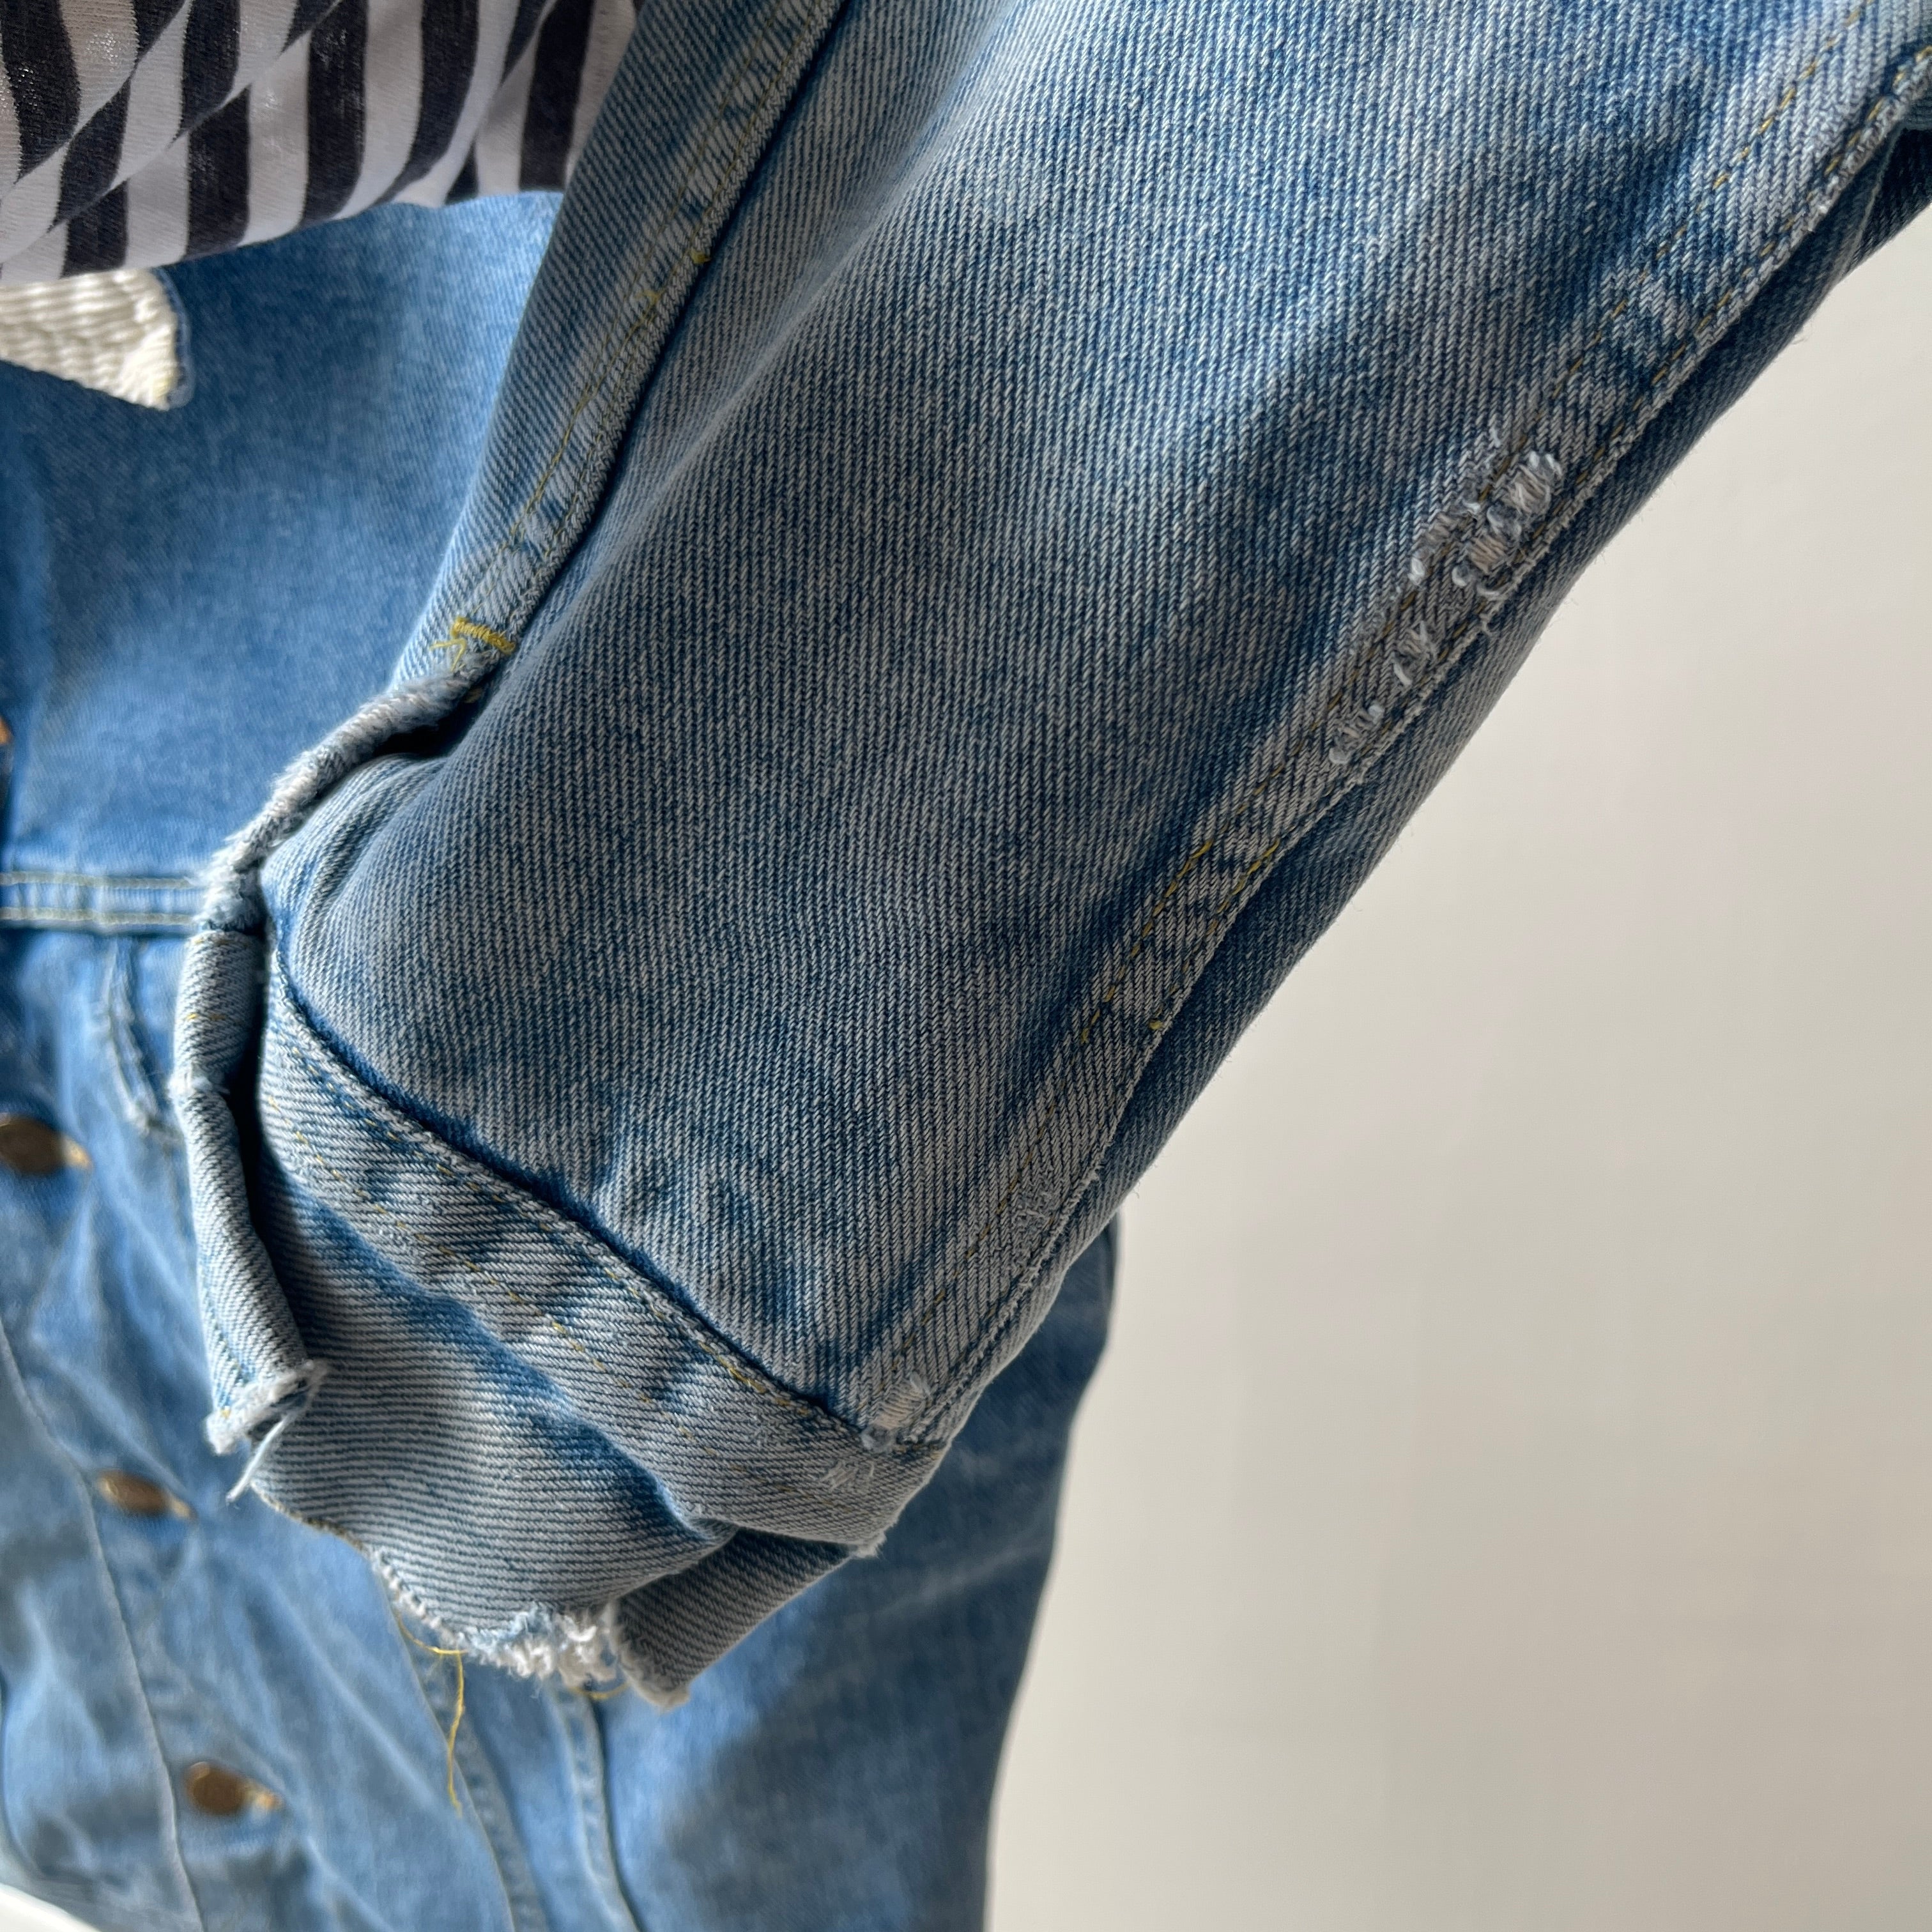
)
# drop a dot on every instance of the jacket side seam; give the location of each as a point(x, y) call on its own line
point(617, 352)
point(1353, 768)
point(1503, 466)
point(63, 1892)
point(1581, 487)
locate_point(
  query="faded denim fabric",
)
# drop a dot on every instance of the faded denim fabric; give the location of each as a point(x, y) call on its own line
point(991, 518)
point(189, 597)
point(836, 1769)
point(967, 572)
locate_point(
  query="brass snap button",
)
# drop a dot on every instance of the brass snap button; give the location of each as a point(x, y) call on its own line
point(31, 1146)
point(223, 1793)
point(137, 1495)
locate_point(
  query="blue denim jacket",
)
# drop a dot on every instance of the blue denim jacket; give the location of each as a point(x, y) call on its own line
point(991, 519)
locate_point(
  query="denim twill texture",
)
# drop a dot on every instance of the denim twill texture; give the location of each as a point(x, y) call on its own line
point(953, 557)
point(186, 600)
point(836, 1769)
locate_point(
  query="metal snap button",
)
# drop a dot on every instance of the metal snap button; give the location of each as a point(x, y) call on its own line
point(137, 1495)
point(31, 1146)
point(223, 1793)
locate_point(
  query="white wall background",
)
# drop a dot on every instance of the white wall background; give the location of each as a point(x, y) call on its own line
point(1507, 1506)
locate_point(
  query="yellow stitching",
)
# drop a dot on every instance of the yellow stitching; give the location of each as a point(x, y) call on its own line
point(624, 333)
point(1364, 663)
point(464, 628)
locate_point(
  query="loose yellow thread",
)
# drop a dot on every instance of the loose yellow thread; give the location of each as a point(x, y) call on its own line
point(456, 1721)
point(462, 631)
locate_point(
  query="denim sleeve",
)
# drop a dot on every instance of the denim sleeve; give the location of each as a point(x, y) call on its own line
point(998, 512)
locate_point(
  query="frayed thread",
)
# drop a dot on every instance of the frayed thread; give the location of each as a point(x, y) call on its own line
point(1501, 524)
point(456, 1716)
point(271, 1405)
point(577, 1651)
point(895, 1414)
point(1486, 536)
point(580, 1651)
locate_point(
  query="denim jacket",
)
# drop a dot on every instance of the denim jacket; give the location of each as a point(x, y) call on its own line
point(992, 518)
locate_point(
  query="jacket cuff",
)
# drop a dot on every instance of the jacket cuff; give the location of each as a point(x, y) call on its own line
point(551, 1460)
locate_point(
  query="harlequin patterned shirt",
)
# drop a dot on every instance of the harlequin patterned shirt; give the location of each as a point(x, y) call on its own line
point(137, 132)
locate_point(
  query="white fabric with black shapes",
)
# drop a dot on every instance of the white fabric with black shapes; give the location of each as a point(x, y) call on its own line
point(137, 132)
